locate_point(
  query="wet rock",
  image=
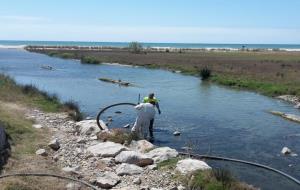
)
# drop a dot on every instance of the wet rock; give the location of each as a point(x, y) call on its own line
point(41, 152)
point(106, 149)
point(54, 144)
point(141, 146)
point(286, 151)
point(126, 126)
point(132, 157)
point(187, 166)
point(108, 180)
point(162, 154)
point(176, 133)
point(297, 106)
point(128, 169)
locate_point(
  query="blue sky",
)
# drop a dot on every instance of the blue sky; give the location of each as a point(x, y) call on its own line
point(193, 21)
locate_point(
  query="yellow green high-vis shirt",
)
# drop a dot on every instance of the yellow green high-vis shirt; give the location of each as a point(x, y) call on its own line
point(148, 100)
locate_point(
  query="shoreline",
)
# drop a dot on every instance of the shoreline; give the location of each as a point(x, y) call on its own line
point(237, 69)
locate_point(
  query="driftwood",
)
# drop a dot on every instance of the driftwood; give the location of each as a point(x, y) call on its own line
point(116, 81)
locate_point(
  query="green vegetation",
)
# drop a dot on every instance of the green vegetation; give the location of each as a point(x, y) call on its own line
point(266, 88)
point(89, 60)
point(135, 47)
point(205, 73)
point(168, 164)
point(33, 97)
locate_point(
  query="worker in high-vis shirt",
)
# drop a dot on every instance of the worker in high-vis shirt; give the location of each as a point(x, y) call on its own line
point(151, 99)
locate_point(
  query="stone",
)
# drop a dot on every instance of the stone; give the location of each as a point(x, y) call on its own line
point(189, 165)
point(126, 126)
point(108, 180)
point(132, 157)
point(180, 187)
point(128, 169)
point(137, 181)
point(152, 167)
point(81, 140)
point(291, 117)
point(41, 152)
point(162, 154)
point(71, 170)
point(141, 146)
point(73, 186)
point(54, 144)
point(297, 106)
point(176, 133)
point(89, 127)
point(146, 187)
point(37, 126)
point(106, 149)
point(286, 151)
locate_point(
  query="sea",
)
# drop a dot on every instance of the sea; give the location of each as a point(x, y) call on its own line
point(21, 44)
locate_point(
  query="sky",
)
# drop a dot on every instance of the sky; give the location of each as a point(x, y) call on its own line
point(181, 21)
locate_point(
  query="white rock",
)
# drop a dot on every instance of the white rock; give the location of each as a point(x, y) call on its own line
point(137, 181)
point(89, 127)
point(41, 152)
point(37, 126)
point(106, 149)
point(141, 146)
point(286, 151)
point(126, 126)
point(54, 144)
point(81, 140)
point(73, 186)
point(297, 106)
point(71, 170)
point(162, 154)
point(187, 166)
point(181, 187)
point(108, 181)
point(132, 157)
point(128, 169)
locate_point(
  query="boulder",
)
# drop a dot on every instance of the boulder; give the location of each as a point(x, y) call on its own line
point(71, 170)
point(41, 152)
point(37, 126)
point(141, 146)
point(162, 154)
point(54, 144)
point(128, 169)
point(137, 181)
point(187, 166)
point(286, 151)
point(132, 157)
point(106, 149)
point(108, 180)
point(90, 127)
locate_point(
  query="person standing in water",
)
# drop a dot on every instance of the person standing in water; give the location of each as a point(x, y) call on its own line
point(151, 99)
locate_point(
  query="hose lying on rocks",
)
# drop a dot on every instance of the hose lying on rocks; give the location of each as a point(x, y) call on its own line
point(48, 175)
point(197, 156)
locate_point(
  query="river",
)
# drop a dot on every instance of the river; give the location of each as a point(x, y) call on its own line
point(213, 119)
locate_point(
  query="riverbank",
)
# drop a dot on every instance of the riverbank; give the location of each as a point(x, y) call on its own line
point(32, 120)
point(271, 73)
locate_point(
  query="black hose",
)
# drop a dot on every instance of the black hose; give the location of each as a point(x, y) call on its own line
point(198, 156)
point(104, 109)
point(49, 175)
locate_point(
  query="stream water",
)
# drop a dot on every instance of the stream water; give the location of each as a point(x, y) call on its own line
point(213, 120)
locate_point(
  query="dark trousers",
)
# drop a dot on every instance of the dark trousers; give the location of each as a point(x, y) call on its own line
point(151, 127)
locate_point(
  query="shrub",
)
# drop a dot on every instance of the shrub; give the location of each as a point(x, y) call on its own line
point(118, 136)
point(73, 110)
point(135, 47)
point(89, 60)
point(205, 73)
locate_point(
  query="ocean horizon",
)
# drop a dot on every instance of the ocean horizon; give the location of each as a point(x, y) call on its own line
point(22, 43)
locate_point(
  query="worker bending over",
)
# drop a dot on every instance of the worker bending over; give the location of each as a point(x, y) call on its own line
point(151, 99)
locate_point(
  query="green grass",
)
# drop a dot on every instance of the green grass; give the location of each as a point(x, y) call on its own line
point(168, 164)
point(31, 96)
point(266, 88)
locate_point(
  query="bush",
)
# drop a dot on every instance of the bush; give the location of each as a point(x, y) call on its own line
point(89, 60)
point(135, 47)
point(205, 73)
point(120, 136)
point(73, 110)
